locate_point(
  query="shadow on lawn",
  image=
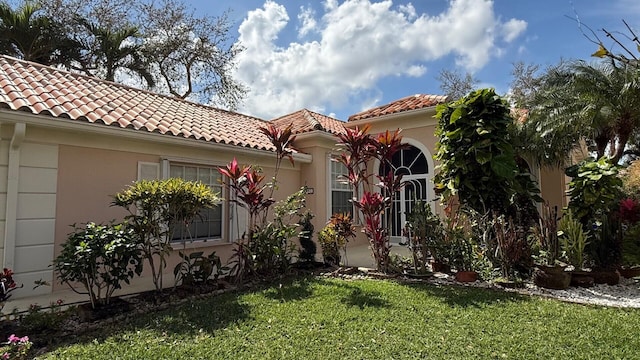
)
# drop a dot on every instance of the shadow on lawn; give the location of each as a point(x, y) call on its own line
point(461, 296)
point(301, 288)
point(189, 318)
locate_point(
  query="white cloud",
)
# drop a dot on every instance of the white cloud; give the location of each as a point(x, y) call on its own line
point(360, 42)
point(512, 29)
point(308, 22)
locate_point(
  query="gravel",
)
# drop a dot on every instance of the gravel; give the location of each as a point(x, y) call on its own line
point(624, 295)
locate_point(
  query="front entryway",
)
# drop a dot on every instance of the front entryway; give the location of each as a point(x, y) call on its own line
point(413, 165)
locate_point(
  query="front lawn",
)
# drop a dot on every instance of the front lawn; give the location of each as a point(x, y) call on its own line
point(317, 318)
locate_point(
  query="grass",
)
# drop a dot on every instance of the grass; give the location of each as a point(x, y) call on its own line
point(315, 318)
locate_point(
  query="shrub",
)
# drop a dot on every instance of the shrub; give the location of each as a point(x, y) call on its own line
point(196, 268)
point(330, 243)
point(573, 239)
point(335, 236)
point(477, 160)
point(307, 246)
point(156, 209)
point(631, 180)
point(595, 190)
point(16, 348)
point(427, 236)
point(100, 257)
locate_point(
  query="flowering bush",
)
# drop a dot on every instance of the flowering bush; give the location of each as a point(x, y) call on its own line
point(15, 348)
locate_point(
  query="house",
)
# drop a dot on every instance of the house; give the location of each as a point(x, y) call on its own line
point(68, 142)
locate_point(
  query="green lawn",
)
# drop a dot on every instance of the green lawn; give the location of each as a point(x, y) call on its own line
point(316, 318)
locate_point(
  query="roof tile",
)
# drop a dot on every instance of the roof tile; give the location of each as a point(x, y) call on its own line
point(306, 120)
point(61, 95)
point(412, 102)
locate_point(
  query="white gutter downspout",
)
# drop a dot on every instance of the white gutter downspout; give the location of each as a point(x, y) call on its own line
point(13, 177)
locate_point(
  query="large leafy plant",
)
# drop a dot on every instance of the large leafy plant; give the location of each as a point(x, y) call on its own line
point(595, 190)
point(100, 258)
point(477, 160)
point(156, 209)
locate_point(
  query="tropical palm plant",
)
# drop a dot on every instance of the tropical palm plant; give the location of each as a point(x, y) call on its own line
point(109, 50)
point(27, 34)
point(595, 103)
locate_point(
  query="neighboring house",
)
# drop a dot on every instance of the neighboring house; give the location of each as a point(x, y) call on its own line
point(68, 142)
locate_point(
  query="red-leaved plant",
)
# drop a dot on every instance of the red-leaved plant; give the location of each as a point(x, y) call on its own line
point(359, 149)
point(248, 191)
point(629, 211)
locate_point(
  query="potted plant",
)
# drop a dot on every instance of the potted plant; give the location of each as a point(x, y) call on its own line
point(549, 272)
point(427, 238)
point(573, 240)
point(463, 253)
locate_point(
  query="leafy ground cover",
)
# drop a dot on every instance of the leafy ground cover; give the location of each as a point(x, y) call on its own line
point(322, 318)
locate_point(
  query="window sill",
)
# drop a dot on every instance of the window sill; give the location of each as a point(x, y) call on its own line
point(196, 244)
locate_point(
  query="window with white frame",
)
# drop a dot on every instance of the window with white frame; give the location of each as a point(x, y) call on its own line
point(208, 224)
point(341, 192)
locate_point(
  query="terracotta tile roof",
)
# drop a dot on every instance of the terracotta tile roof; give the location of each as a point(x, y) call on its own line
point(65, 96)
point(306, 120)
point(412, 102)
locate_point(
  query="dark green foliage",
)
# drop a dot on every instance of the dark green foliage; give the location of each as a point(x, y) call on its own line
point(477, 161)
point(427, 236)
point(100, 257)
point(156, 209)
point(196, 268)
point(29, 34)
point(595, 190)
point(631, 246)
point(271, 246)
point(308, 246)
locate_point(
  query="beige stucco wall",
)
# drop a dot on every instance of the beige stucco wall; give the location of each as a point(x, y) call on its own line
point(68, 177)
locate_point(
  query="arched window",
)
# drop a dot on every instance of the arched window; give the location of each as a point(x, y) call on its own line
point(414, 167)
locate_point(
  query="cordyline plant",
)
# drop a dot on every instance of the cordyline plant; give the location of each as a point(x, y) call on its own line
point(248, 191)
point(359, 148)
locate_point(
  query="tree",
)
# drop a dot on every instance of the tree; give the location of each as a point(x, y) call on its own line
point(526, 81)
point(188, 56)
point(595, 103)
point(456, 85)
point(192, 56)
point(477, 160)
point(108, 51)
point(29, 34)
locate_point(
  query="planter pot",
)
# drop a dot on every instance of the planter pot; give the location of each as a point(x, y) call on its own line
point(551, 277)
point(629, 272)
point(606, 276)
point(466, 276)
point(581, 279)
point(440, 267)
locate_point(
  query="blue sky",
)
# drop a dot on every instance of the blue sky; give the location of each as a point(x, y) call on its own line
point(339, 57)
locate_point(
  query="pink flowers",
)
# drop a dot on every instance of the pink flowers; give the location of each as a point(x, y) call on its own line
point(16, 347)
point(13, 339)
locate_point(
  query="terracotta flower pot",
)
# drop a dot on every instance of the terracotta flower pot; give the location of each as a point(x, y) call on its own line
point(466, 276)
point(551, 277)
point(629, 272)
point(606, 276)
point(581, 279)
